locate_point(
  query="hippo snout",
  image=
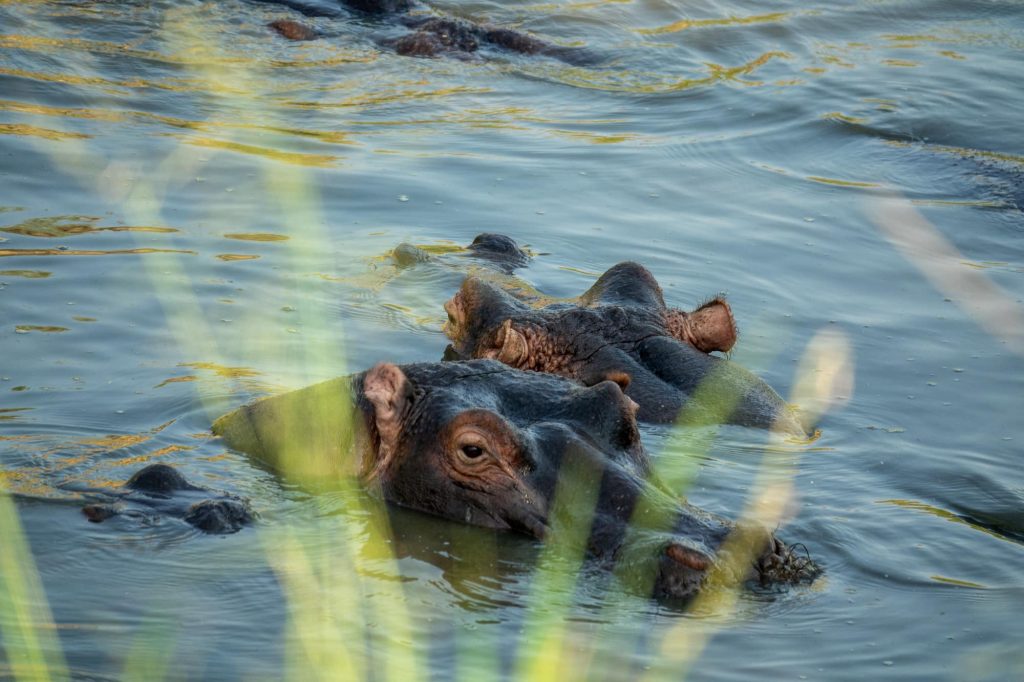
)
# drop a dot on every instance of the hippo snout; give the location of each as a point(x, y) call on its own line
point(785, 564)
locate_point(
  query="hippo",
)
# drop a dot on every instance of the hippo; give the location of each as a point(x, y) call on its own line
point(430, 35)
point(160, 489)
point(497, 250)
point(621, 329)
point(482, 443)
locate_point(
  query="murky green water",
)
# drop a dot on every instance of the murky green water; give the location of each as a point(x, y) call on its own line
point(194, 212)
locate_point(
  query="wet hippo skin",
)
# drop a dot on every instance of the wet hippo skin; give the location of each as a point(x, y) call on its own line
point(160, 490)
point(621, 329)
point(481, 443)
point(431, 35)
point(497, 250)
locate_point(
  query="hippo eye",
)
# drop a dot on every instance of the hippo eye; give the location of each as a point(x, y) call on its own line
point(472, 451)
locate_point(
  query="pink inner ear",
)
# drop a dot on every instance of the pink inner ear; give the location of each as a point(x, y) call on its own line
point(711, 327)
point(388, 390)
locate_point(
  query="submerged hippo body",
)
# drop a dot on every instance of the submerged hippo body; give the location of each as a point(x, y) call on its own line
point(621, 329)
point(430, 35)
point(160, 490)
point(496, 250)
point(482, 443)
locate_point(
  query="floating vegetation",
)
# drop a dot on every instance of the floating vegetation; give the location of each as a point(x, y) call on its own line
point(27, 274)
point(26, 328)
point(685, 24)
point(842, 183)
point(44, 133)
point(84, 252)
point(237, 256)
point(257, 237)
point(70, 225)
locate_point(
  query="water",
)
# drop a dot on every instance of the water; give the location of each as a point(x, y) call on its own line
point(197, 212)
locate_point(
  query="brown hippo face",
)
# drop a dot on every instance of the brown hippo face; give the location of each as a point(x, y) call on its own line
point(621, 329)
point(488, 445)
point(481, 443)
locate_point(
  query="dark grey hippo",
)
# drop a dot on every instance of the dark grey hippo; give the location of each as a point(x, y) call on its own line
point(485, 444)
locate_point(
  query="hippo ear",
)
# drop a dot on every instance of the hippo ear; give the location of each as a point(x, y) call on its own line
point(687, 557)
point(510, 345)
point(623, 379)
point(708, 328)
point(388, 390)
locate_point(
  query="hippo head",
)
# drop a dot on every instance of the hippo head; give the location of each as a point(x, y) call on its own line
point(481, 443)
point(621, 329)
point(160, 490)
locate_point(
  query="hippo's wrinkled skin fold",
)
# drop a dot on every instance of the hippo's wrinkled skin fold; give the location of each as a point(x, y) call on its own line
point(160, 490)
point(485, 444)
point(621, 330)
point(431, 35)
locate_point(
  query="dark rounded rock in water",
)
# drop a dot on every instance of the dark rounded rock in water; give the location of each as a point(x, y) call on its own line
point(158, 478)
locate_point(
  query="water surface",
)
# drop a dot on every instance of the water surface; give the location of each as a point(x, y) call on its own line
point(195, 212)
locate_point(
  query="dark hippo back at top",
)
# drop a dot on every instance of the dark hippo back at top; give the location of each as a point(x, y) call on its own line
point(622, 330)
